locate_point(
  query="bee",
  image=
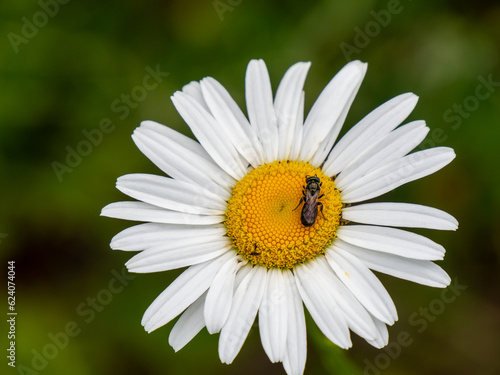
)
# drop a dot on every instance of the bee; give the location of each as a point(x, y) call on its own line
point(311, 194)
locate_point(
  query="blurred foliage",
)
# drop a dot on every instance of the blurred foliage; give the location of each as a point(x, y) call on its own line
point(67, 75)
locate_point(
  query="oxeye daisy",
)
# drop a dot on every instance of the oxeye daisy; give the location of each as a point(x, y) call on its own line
point(267, 214)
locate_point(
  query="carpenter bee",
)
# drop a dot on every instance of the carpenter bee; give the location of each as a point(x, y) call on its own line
point(311, 195)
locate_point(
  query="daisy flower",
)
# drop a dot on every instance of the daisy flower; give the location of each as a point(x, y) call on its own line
point(266, 213)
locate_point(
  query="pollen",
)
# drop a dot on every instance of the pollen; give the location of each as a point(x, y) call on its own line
point(263, 217)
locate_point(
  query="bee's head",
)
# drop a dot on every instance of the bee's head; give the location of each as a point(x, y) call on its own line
point(311, 179)
point(313, 183)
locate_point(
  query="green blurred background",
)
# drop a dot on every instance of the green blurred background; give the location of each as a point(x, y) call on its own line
point(67, 68)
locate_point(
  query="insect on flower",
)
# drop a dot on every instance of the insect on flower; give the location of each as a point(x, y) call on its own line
point(240, 239)
point(311, 195)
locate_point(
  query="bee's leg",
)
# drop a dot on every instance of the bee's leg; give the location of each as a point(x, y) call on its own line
point(322, 195)
point(301, 200)
point(321, 209)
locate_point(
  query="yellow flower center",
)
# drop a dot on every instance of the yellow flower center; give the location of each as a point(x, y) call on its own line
point(264, 222)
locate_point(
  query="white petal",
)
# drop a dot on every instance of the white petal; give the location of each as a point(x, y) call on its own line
point(393, 146)
point(171, 194)
point(383, 336)
point(321, 123)
point(183, 291)
point(299, 125)
point(207, 131)
point(242, 274)
point(193, 89)
point(296, 345)
point(143, 236)
point(188, 325)
point(168, 257)
point(246, 302)
point(363, 284)
point(220, 296)
point(176, 137)
point(411, 167)
point(400, 215)
point(273, 315)
point(366, 133)
point(357, 317)
point(327, 144)
point(286, 105)
point(391, 240)
point(325, 312)
point(233, 123)
point(181, 163)
point(419, 271)
point(259, 99)
point(140, 211)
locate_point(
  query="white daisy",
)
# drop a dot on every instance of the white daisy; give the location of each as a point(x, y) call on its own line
point(230, 211)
